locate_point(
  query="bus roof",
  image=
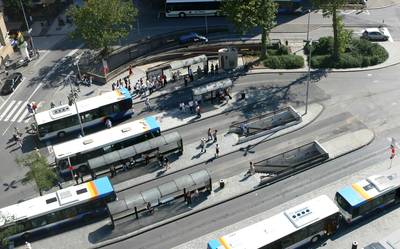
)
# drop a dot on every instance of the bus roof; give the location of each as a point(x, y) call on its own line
point(55, 201)
point(105, 137)
point(269, 230)
point(361, 191)
point(83, 106)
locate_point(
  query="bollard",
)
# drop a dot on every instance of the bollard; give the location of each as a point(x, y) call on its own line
point(221, 183)
point(354, 245)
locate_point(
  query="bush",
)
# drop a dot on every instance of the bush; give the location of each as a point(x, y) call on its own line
point(348, 60)
point(290, 61)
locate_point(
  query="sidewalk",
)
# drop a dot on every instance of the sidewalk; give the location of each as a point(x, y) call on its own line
point(379, 4)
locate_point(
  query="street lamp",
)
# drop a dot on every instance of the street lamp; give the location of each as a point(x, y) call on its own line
point(72, 98)
point(309, 42)
point(27, 24)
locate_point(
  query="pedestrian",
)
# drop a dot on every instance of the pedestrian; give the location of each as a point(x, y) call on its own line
point(28, 245)
point(37, 151)
point(212, 68)
point(52, 105)
point(198, 111)
point(108, 123)
point(76, 177)
point(226, 92)
point(190, 74)
point(113, 86)
point(130, 70)
point(215, 136)
point(205, 68)
point(191, 106)
point(160, 158)
point(129, 87)
point(147, 103)
point(198, 71)
point(216, 150)
point(16, 130)
point(29, 107)
point(216, 68)
point(113, 171)
point(252, 170)
point(90, 80)
point(18, 140)
point(166, 163)
point(209, 134)
point(203, 145)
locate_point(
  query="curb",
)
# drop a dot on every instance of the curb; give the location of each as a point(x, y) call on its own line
point(181, 216)
point(383, 7)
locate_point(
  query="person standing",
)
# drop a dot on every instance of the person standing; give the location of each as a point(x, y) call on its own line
point(215, 136)
point(166, 163)
point(203, 145)
point(212, 68)
point(147, 103)
point(130, 70)
point(216, 150)
point(198, 111)
point(191, 107)
point(76, 178)
point(209, 134)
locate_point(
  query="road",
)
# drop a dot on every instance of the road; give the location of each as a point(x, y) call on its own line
point(370, 97)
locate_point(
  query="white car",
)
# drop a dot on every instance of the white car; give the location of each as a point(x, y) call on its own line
point(374, 34)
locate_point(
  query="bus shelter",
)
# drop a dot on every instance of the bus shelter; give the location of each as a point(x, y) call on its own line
point(211, 91)
point(161, 145)
point(175, 69)
point(162, 194)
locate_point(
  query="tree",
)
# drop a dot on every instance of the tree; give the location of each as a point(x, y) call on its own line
point(330, 8)
point(13, 7)
point(248, 14)
point(344, 36)
point(39, 172)
point(101, 23)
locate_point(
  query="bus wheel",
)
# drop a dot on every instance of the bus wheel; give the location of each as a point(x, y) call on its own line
point(61, 134)
point(26, 236)
point(316, 238)
point(182, 15)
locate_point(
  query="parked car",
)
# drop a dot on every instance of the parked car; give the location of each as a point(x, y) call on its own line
point(192, 38)
point(11, 83)
point(374, 34)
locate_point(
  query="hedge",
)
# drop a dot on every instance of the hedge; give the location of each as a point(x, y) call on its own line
point(289, 61)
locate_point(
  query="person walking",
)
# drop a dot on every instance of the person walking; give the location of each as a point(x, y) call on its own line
point(166, 163)
point(147, 103)
point(18, 140)
point(203, 145)
point(209, 134)
point(198, 111)
point(216, 150)
point(130, 70)
point(212, 68)
point(28, 245)
point(29, 107)
point(76, 178)
point(215, 136)
point(108, 123)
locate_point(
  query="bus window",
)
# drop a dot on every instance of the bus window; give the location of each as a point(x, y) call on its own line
point(343, 203)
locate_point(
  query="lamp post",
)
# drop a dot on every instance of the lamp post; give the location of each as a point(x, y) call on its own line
point(27, 24)
point(206, 23)
point(72, 98)
point(309, 61)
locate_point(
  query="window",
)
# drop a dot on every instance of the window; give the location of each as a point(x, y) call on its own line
point(81, 191)
point(51, 200)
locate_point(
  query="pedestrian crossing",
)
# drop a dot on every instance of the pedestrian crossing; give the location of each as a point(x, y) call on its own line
point(15, 111)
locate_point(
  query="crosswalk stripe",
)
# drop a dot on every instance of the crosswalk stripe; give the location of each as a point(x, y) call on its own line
point(13, 110)
point(28, 118)
point(19, 111)
point(7, 109)
point(23, 116)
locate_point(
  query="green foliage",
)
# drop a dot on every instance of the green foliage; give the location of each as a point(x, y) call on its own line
point(344, 36)
point(290, 61)
point(101, 23)
point(248, 14)
point(39, 171)
point(7, 232)
point(360, 53)
point(13, 7)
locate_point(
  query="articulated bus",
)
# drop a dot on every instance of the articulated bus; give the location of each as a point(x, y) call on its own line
point(55, 212)
point(295, 227)
point(74, 154)
point(62, 120)
point(185, 8)
point(368, 195)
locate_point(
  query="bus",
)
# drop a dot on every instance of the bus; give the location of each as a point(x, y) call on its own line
point(62, 120)
point(184, 8)
point(367, 195)
point(295, 227)
point(74, 154)
point(56, 211)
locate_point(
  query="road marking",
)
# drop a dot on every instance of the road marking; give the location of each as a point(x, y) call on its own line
point(13, 110)
point(7, 109)
point(23, 107)
point(23, 78)
point(23, 116)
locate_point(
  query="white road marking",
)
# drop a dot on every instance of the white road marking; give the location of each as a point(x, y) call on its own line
point(23, 116)
point(13, 110)
point(7, 109)
point(23, 107)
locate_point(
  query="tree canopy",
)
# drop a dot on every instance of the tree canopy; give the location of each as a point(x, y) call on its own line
point(248, 14)
point(39, 171)
point(13, 7)
point(101, 23)
point(330, 8)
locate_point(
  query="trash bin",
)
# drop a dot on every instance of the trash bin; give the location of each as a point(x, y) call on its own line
point(354, 245)
point(222, 183)
point(243, 95)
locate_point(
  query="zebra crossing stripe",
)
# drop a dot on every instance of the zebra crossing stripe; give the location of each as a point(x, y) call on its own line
point(13, 110)
point(7, 109)
point(24, 104)
point(23, 116)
